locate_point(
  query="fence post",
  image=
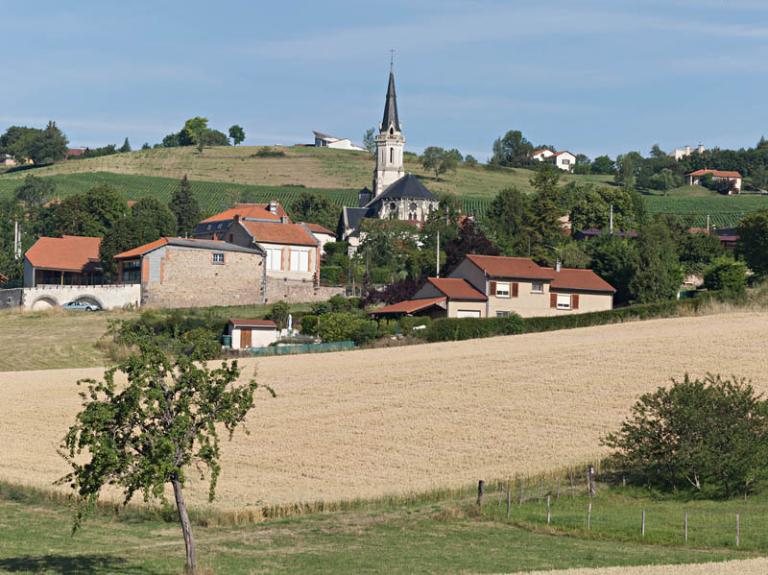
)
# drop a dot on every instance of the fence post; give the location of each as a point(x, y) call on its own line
point(509, 498)
point(480, 492)
point(589, 516)
point(685, 527)
point(738, 531)
point(520, 498)
point(591, 480)
point(642, 528)
point(549, 509)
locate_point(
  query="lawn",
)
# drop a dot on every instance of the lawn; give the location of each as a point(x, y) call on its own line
point(444, 536)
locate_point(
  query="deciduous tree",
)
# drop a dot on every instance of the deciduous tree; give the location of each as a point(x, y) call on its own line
point(753, 241)
point(237, 134)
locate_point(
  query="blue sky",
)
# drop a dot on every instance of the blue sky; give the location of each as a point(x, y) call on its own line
point(593, 76)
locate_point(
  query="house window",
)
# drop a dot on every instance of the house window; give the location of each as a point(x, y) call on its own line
point(565, 161)
point(274, 259)
point(218, 258)
point(502, 314)
point(299, 261)
point(563, 301)
point(537, 287)
point(502, 289)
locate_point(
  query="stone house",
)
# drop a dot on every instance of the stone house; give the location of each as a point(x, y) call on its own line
point(495, 286)
point(180, 272)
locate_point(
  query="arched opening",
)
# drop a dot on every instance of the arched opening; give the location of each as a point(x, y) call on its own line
point(89, 299)
point(43, 303)
point(391, 131)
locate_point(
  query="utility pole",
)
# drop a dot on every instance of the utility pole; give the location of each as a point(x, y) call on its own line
point(16, 240)
point(437, 256)
point(707, 224)
point(610, 220)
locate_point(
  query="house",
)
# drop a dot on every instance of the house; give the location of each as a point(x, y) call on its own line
point(496, 286)
point(322, 234)
point(328, 141)
point(7, 160)
point(181, 272)
point(64, 261)
point(694, 178)
point(72, 153)
point(394, 194)
point(680, 153)
point(541, 154)
point(248, 333)
point(564, 160)
point(215, 227)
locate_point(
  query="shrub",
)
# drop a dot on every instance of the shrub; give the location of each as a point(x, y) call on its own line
point(344, 326)
point(407, 324)
point(727, 276)
point(706, 435)
point(309, 325)
point(279, 314)
point(568, 321)
point(454, 329)
point(333, 275)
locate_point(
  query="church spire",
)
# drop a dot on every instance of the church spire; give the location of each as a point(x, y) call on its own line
point(390, 108)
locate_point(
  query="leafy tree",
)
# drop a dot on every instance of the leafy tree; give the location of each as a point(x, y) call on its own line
point(512, 150)
point(753, 241)
point(698, 250)
point(146, 146)
point(603, 165)
point(615, 260)
point(727, 276)
point(456, 155)
point(508, 217)
point(41, 146)
point(34, 192)
point(147, 433)
point(279, 314)
point(572, 255)
point(627, 168)
point(437, 160)
point(17, 141)
point(237, 134)
point(657, 152)
point(469, 240)
point(470, 161)
point(369, 140)
point(658, 274)
point(708, 435)
point(314, 208)
point(591, 207)
point(126, 147)
point(391, 245)
point(185, 208)
point(196, 128)
point(92, 213)
point(546, 230)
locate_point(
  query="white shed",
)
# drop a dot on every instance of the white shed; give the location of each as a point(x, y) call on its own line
point(247, 333)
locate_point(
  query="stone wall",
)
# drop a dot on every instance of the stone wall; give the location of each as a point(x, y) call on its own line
point(187, 277)
point(295, 291)
point(11, 298)
point(105, 296)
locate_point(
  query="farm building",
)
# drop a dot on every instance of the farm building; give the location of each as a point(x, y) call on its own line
point(495, 286)
point(68, 260)
point(179, 272)
point(694, 178)
point(328, 141)
point(248, 333)
point(322, 234)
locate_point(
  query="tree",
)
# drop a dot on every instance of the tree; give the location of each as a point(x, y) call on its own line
point(237, 134)
point(727, 276)
point(93, 213)
point(508, 217)
point(41, 146)
point(591, 207)
point(369, 140)
point(469, 240)
point(195, 128)
point(185, 208)
point(470, 161)
point(658, 274)
point(702, 434)
point(627, 168)
point(753, 241)
point(34, 192)
point(614, 259)
point(126, 147)
point(603, 165)
point(546, 230)
point(437, 160)
point(145, 434)
point(314, 208)
point(698, 250)
point(279, 314)
point(512, 150)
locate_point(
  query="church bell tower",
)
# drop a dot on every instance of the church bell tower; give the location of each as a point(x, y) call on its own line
point(389, 144)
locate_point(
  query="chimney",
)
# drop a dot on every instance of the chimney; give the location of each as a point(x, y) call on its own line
point(237, 218)
point(558, 266)
point(283, 219)
point(273, 207)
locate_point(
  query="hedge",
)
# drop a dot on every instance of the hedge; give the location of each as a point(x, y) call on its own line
point(455, 329)
point(618, 315)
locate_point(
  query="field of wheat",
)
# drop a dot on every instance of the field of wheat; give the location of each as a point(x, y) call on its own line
point(746, 567)
point(388, 421)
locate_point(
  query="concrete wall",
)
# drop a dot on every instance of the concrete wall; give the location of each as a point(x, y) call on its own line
point(106, 296)
point(187, 277)
point(455, 306)
point(297, 291)
point(260, 337)
point(11, 298)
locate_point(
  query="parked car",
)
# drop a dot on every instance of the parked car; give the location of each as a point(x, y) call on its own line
point(81, 306)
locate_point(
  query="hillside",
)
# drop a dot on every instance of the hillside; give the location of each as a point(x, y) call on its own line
point(372, 422)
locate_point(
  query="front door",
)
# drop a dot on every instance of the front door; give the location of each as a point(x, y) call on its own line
point(245, 338)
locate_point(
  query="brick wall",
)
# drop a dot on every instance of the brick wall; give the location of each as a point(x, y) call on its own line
point(187, 277)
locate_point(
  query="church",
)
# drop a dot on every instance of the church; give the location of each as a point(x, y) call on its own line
point(395, 195)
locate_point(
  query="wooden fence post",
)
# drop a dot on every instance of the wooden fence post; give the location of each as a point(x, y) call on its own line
point(509, 499)
point(480, 492)
point(591, 481)
point(738, 531)
point(685, 527)
point(642, 528)
point(558, 488)
point(589, 516)
point(549, 509)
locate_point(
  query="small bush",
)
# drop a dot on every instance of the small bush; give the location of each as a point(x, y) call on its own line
point(268, 153)
point(454, 329)
point(279, 314)
point(407, 324)
point(727, 276)
point(333, 275)
point(309, 325)
point(344, 326)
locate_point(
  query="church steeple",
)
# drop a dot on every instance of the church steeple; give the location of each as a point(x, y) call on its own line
point(390, 107)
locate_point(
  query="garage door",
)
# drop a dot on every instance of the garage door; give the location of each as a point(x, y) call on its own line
point(467, 313)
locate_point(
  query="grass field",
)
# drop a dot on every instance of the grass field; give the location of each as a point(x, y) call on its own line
point(373, 422)
point(443, 536)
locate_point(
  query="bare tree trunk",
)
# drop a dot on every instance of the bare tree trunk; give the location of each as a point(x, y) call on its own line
point(186, 527)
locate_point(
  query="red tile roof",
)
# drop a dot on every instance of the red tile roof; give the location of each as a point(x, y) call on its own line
point(587, 280)
point(253, 323)
point(716, 173)
point(68, 253)
point(410, 306)
point(509, 267)
point(243, 211)
point(457, 288)
point(317, 228)
point(277, 233)
point(141, 250)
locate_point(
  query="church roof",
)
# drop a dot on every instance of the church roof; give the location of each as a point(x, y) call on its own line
point(352, 218)
point(390, 107)
point(408, 187)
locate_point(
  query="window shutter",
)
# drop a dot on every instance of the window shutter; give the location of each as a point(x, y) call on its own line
point(575, 301)
point(552, 300)
point(493, 288)
point(514, 289)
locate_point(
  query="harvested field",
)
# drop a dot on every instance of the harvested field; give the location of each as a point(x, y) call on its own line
point(746, 567)
point(387, 421)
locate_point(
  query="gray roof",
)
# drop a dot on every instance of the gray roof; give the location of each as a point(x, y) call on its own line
point(217, 245)
point(390, 107)
point(352, 218)
point(408, 187)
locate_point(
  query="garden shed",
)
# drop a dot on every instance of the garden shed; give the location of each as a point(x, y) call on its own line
point(247, 333)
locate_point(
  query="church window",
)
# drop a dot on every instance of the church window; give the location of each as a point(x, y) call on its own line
point(392, 206)
point(413, 206)
point(391, 155)
point(391, 131)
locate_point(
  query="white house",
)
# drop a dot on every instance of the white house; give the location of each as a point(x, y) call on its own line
point(327, 141)
point(694, 178)
point(564, 160)
point(322, 234)
point(680, 153)
point(541, 154)
point(248, 333)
